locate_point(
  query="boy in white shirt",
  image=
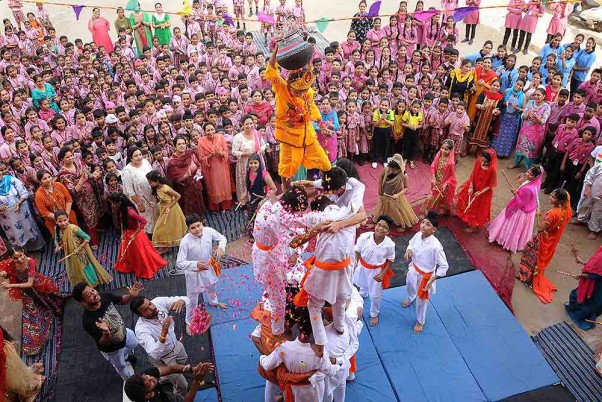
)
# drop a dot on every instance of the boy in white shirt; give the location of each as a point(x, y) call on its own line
point(200, 267)
point(427, 262)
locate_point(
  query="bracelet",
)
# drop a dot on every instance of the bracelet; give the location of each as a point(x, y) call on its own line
point(186, 369)
point(162, 339)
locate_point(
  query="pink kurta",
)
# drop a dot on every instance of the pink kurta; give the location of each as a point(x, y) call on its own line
point(100, 33)
point(515, 14)
point(473, 17)
point(529, 21)
point(560, 19)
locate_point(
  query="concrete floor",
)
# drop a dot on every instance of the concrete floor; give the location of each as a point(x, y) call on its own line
point(533, 315)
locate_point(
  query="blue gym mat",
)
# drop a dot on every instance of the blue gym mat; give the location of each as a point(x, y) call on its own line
point(236, 360)
point(420, 367)
point(236, 287)
point(499, 353)
point(207, 395)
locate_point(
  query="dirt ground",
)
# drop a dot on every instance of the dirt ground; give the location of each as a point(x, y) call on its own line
point(533, 315)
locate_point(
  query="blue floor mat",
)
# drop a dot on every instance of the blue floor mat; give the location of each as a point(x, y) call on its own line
point(236, 360)
point(238, 288)
point(371, 384)
point(207, 395)
point(420, 367)
point(499, 353)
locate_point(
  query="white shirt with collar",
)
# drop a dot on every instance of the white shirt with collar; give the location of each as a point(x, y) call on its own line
point(353, 197)
point(428, 254)
point(148, 330)
point(193, 249)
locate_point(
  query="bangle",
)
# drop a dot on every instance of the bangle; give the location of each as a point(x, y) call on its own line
point(162, 338)
point(186, 369)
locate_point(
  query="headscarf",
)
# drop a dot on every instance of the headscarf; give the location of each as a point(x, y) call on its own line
point(585, 289)
point(517, 203)
point(132, 5)
point(511, 92)
point(490, 173)
point(449, 174)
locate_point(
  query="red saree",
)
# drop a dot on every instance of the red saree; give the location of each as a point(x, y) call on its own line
point(476, 210)
point(444, 173)
point(263, 111)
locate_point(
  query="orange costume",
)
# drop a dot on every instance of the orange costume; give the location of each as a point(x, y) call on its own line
point(294, 131)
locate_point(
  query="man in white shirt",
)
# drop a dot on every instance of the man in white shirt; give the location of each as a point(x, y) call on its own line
point(195, 258)
point(374, 255)
point(328, 278)
point(427, 262)
point(155, 320)
point(270, 255)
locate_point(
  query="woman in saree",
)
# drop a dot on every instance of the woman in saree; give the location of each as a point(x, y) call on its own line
point(443, 184)
point(80, 262)
point(100, 27)
point(532, 132)
point(249, 141)
point(512, 107)
point(136, 187)
point(213, 153)
point(39, 296)
point(184, 171)
point(53, 196)
point(462, 80)
point(488, 106)
point(585, 301)
point(475, 196)
point(141, 26)
point(541, 248)
point(484, 76)
point(513, 227)
point(136, 253)
point(17, 381)
point(391, 194)
point(83, 187)
point(16, 216)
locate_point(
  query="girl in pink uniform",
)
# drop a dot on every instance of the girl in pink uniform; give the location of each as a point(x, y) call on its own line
point(471, 21)
point(560, 19)
point(528, 24)
point(513, 20)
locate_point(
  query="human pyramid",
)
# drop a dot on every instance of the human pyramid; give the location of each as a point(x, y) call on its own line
point(146, 131)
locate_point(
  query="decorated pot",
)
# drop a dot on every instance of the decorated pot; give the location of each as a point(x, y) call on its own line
point(294, 52)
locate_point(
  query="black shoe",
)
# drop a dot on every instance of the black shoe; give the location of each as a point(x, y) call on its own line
point(132, 359)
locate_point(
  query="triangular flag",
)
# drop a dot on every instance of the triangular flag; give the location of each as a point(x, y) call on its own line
point(425, 15)
point(461, 12)
point(78, 10)
point(322, 24)
point(228, 19)
point(374, 9)
point(263, 17)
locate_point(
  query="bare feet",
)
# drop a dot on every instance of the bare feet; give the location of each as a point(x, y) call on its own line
point(418, 328)
point(470, 229)
point(188, 330)
point(405, 303)
point(592, 236)
point(220, 305)
point(373, 321)
point(94, 248)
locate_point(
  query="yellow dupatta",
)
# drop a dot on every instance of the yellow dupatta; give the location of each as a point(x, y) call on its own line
point(81, 264)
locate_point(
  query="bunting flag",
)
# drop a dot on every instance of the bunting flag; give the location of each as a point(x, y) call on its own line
point(461, 12)
point(374, 9)
point(263, 17)
point(77, 10)
point(322, 24)
point(425, 15)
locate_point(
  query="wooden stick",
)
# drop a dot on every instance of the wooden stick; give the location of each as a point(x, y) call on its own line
point(67, 256)
point(594, 322)
point(566, 274)
point(507, 179)
point(470, 202)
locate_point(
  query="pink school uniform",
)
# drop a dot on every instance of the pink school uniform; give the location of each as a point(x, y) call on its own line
point(515, 14)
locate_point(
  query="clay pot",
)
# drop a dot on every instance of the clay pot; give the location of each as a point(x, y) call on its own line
point(294, 52)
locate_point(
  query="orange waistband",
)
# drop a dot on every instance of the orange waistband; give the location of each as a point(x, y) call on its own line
point(263, 247)
point(429, 274)
point(327, 266)
point(370, 266)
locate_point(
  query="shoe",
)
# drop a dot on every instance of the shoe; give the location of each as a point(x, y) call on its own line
point(374, 165)
point(514, 50)
point(464, 40)
point(525, 51)
point(250, 12)
point(470, 42)
point(132, 359)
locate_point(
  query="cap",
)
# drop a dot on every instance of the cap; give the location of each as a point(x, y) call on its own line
point(111, 118)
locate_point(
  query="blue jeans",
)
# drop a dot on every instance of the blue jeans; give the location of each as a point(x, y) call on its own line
point(117, 358)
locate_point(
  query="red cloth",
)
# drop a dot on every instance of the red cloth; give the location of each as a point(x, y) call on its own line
point(263, 111)
point(42, 284)
point(479, 212)
point(140, 256)
point(423, 292)
point(586, 285)
point(449, 180)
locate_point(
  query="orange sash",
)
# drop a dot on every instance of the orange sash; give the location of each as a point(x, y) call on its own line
point(422, 292)
point(302, 297)
point(215, 265)
point(353, 367)
point(387, 277)
point(285, 380)
point(263, 247)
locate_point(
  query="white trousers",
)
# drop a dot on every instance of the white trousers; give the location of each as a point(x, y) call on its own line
point(412, 282)
point(314, 305)
point(117, 358)
point(270, 391)
point(193, 294)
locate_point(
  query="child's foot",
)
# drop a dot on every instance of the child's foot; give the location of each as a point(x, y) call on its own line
point(405, 303)
point(418, 328)
point(373, 321)
point(94, 248)
point(470, 229)
point(220, 305)
point(592, 236)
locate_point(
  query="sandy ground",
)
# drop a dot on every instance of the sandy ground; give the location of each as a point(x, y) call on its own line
point(533, 315)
